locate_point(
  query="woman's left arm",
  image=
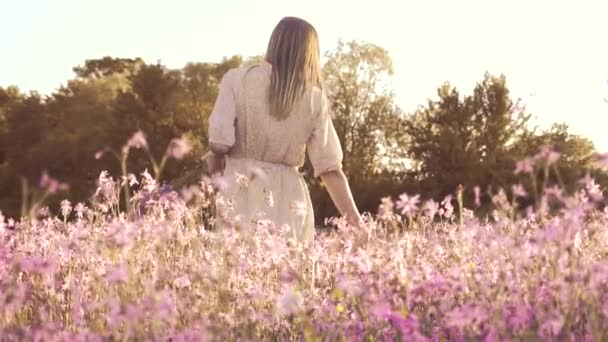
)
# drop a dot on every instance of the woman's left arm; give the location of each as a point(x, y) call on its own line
point(221, 125)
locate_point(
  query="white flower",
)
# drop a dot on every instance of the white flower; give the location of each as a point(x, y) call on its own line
point(66, 207)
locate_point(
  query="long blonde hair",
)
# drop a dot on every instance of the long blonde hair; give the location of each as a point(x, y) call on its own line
point(293, 52)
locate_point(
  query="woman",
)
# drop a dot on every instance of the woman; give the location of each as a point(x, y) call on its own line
point(264, 119)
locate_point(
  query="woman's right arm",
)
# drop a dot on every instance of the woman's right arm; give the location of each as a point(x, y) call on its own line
point(326, 155)
point(339, 190)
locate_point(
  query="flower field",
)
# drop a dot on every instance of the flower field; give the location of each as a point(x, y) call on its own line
point(419, 271)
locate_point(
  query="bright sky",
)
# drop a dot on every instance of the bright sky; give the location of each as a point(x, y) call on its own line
point(553, 53)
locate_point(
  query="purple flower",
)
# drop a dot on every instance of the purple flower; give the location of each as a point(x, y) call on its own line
point(288, 303)
point(592, 188)
point(37, 264)
point(381, 309)
point(178, 148)
point(551, 327)
point(547, 154)
point(117, 274)
point(408, 204)
point(469, 315)
point(408, 327)
point(518, 317)
point(351, 287)
point(50, 184)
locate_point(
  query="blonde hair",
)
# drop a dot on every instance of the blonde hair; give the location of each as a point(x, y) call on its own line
point(293, 52)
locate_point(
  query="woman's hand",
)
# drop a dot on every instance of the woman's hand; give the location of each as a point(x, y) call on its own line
point(339, 191)
point(215, 163)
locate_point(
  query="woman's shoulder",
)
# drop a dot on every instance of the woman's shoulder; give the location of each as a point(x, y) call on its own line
point(319, 99)
point(256, 71)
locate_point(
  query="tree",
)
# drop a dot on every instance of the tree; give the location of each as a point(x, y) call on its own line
point(356, 77)
point(365, 116)
point(465, 140)
point(106, 66)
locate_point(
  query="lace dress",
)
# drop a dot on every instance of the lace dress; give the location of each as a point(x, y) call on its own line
point(262, 179)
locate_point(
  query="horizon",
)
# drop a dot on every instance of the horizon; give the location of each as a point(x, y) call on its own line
point(551, 54)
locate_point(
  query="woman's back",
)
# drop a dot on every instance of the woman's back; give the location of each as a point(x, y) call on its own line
point(242, 112)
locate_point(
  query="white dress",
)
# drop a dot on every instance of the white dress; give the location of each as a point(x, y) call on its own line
point(262, 177)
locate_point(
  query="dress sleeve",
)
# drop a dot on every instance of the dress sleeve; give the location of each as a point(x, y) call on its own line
point(223, 115)
point(323, 145)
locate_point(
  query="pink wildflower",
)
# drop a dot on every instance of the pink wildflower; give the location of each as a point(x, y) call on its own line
point(547, 154)
point(178, 148)
point(519, 191)
point(448, 209)
point(99, 154)
point(44, 211)
point(50, 184)
point(80, 210)
point(592, 188)
point(385, 209)
point(137, 140)
point(408, 204)
point(130, 179)
point(524, 166)
point(37, 264)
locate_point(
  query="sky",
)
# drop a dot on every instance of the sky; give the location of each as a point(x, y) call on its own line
point(554, 54)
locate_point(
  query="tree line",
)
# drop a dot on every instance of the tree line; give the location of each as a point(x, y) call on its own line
point(469, 140)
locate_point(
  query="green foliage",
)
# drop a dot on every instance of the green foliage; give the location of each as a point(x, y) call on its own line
point(110, 99)
point(465, 139)
point(470, 140)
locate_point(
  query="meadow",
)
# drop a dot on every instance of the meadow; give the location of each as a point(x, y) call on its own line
point(421, 270)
